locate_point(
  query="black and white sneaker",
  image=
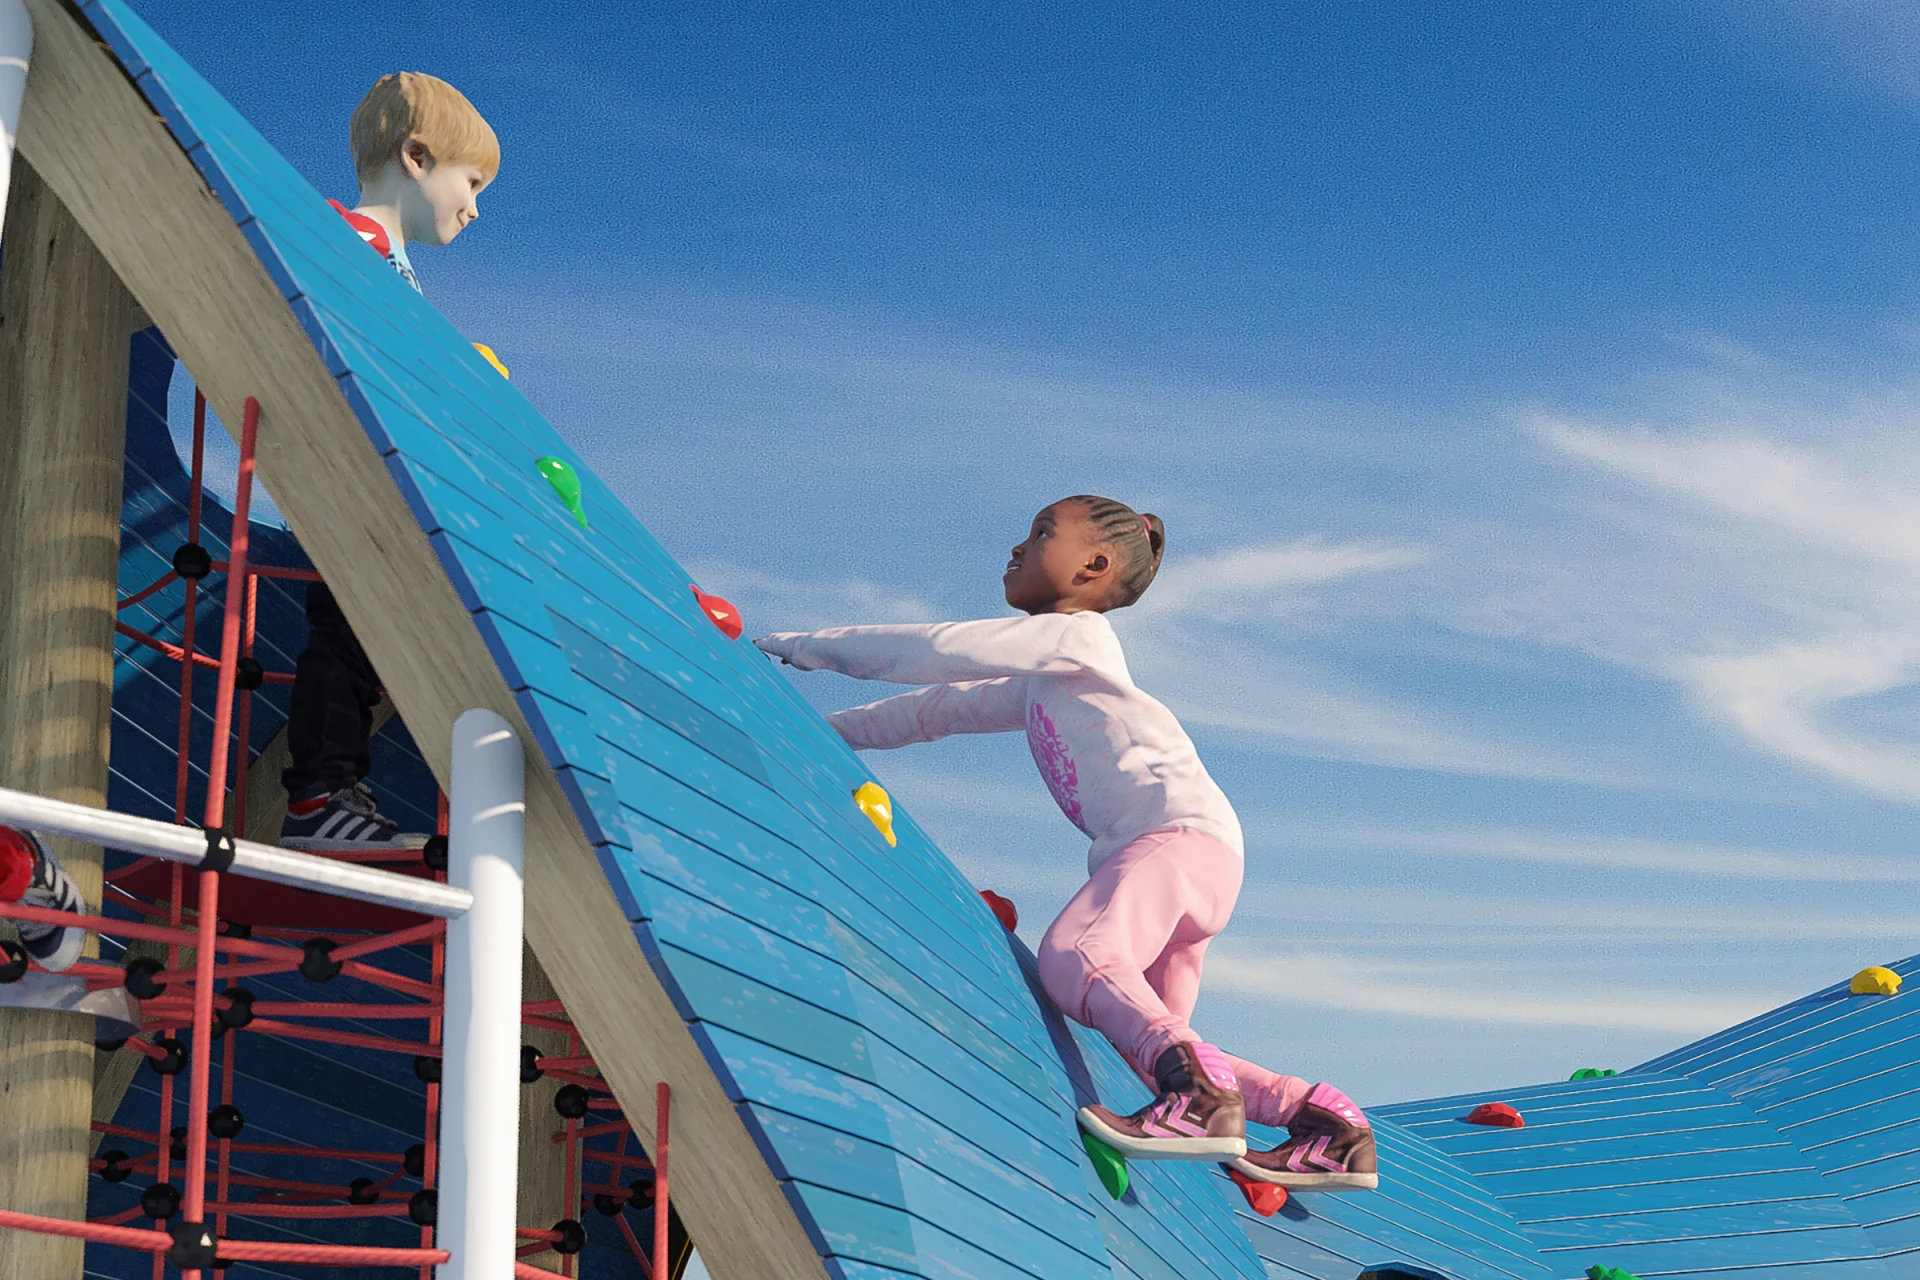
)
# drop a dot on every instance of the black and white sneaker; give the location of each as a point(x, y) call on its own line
point(342, 822)
point(32, 877)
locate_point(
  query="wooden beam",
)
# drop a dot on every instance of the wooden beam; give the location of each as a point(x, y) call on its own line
point(101, 148)
point(63, 419)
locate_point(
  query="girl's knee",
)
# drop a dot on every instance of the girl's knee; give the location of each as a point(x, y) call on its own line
point(1063, 972)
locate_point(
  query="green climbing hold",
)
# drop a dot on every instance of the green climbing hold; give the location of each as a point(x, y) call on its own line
point(565, 483)
point(1598, 1272)
point(1108, 1163)
point(1592, 1073)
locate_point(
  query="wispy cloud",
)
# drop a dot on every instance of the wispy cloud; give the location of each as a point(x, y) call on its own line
point(1263, 578)
point(810, 604)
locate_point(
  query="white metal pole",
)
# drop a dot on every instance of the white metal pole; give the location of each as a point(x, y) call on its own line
point(480, 1084)
point(16, 47)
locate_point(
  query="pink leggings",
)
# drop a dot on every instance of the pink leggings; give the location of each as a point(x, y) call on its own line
point(1124, 957)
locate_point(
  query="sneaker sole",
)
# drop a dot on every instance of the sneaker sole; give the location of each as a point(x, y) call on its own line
point(1308, 1181)
point(309, 844)
point(1214, 1149)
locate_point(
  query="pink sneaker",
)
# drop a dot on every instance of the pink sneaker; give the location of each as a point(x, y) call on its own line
point(1329, 1147)
point(1198, 1115)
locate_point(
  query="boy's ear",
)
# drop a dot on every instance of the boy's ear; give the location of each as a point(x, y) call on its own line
point(415, 158)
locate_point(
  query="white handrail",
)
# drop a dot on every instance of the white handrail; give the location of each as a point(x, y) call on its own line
point(257, 861)
point(16, 48)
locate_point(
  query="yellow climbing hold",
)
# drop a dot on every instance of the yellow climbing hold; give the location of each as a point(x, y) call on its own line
point(492, 359)
point(1875, 980)
point(873, 801)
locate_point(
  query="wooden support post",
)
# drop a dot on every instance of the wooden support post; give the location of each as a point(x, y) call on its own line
point(63, 417)
point(543, 1162)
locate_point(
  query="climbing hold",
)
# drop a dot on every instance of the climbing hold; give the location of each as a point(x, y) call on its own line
point(573, 1236)
point(140, 972)
point(1874, 980)
point(724, 615)
point(1498, 1114)
point(424, 1208)
point(316, 960)
point(175, 1059)
point(1264, 1198)
point(161, 1200)
point(426, 1067)
point(571, 1102)
point(239, 1010)
point(1598, 1272)
point(1592, 1073)
point(115, 1166)
point(529, 1064)
point(14, 967)
point(414, 1160)
point(566, 483)
point(362, 1191)
point(1109, 1165)
point(1003, 909)
point(491, 358)
point(225, 1121)
point(873, 801)
point(191, 561)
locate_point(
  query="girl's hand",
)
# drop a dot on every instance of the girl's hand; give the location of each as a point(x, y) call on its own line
point(773, 644)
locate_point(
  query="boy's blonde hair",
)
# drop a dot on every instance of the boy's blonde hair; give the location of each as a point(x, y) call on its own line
point(412, 104)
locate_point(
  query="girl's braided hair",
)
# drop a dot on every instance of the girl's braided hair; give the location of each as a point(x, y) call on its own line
point(1139, 539)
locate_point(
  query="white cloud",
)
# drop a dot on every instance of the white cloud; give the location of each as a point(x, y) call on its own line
point(1263, 576)
point(797, 603)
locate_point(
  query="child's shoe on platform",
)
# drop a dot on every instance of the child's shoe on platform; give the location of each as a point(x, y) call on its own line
point(343, 821)
point(1198, 1115)
point(1329, 1147)
point(30, 876)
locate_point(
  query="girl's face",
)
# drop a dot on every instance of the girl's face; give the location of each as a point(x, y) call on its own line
point(1062, 567)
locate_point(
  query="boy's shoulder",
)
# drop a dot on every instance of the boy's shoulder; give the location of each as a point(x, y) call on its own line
point(376, 236)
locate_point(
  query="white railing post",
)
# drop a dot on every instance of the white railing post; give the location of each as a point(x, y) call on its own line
point(16, 47)
point(480, 1082)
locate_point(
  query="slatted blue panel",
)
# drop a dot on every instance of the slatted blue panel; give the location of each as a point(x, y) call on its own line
point(935, 1135)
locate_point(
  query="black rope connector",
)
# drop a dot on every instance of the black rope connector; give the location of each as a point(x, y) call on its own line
point(239, 1010)
point(176, 1057)
point(161, 1200)
point(608, 1206)
point(225, 1121)
point(118, 1168)
point(317, 963)
point(140, 973)
point(640, 1193)
point(248, 674)
point(573, 1236)
point(424, 1208)
point(426, 1067)
point(415, 1160)
point(233, 929)
point(219, 854)
point(529, 1064)
point(571, 1101)
point(434, 853)
point(193, 1246)
point(362, 1191)
point(191, 561)
point(14, 967)
point(177, 1142)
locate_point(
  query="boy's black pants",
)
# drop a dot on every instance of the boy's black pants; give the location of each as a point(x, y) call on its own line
point(330, 723)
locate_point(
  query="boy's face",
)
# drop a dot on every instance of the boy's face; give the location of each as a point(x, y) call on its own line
point(448, 195)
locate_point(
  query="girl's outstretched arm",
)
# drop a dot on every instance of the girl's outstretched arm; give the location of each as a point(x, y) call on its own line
point(980, 706)
point(946, 652)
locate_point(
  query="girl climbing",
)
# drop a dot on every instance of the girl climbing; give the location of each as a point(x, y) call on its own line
point(1124, 957)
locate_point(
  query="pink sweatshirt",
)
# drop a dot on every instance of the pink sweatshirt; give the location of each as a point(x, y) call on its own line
point(1117, 762)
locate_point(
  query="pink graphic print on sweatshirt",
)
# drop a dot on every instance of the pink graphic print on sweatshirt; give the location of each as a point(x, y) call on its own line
point(1056, 765)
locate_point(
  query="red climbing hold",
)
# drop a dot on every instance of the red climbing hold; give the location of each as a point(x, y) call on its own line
point(1003, 909)
point(724, 615)
point(1498, 1114)
point(1264, 1198)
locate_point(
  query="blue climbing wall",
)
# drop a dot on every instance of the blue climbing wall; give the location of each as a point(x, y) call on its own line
point(884, 1038)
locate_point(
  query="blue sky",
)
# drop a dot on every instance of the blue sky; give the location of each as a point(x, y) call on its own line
point(1529, 390)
